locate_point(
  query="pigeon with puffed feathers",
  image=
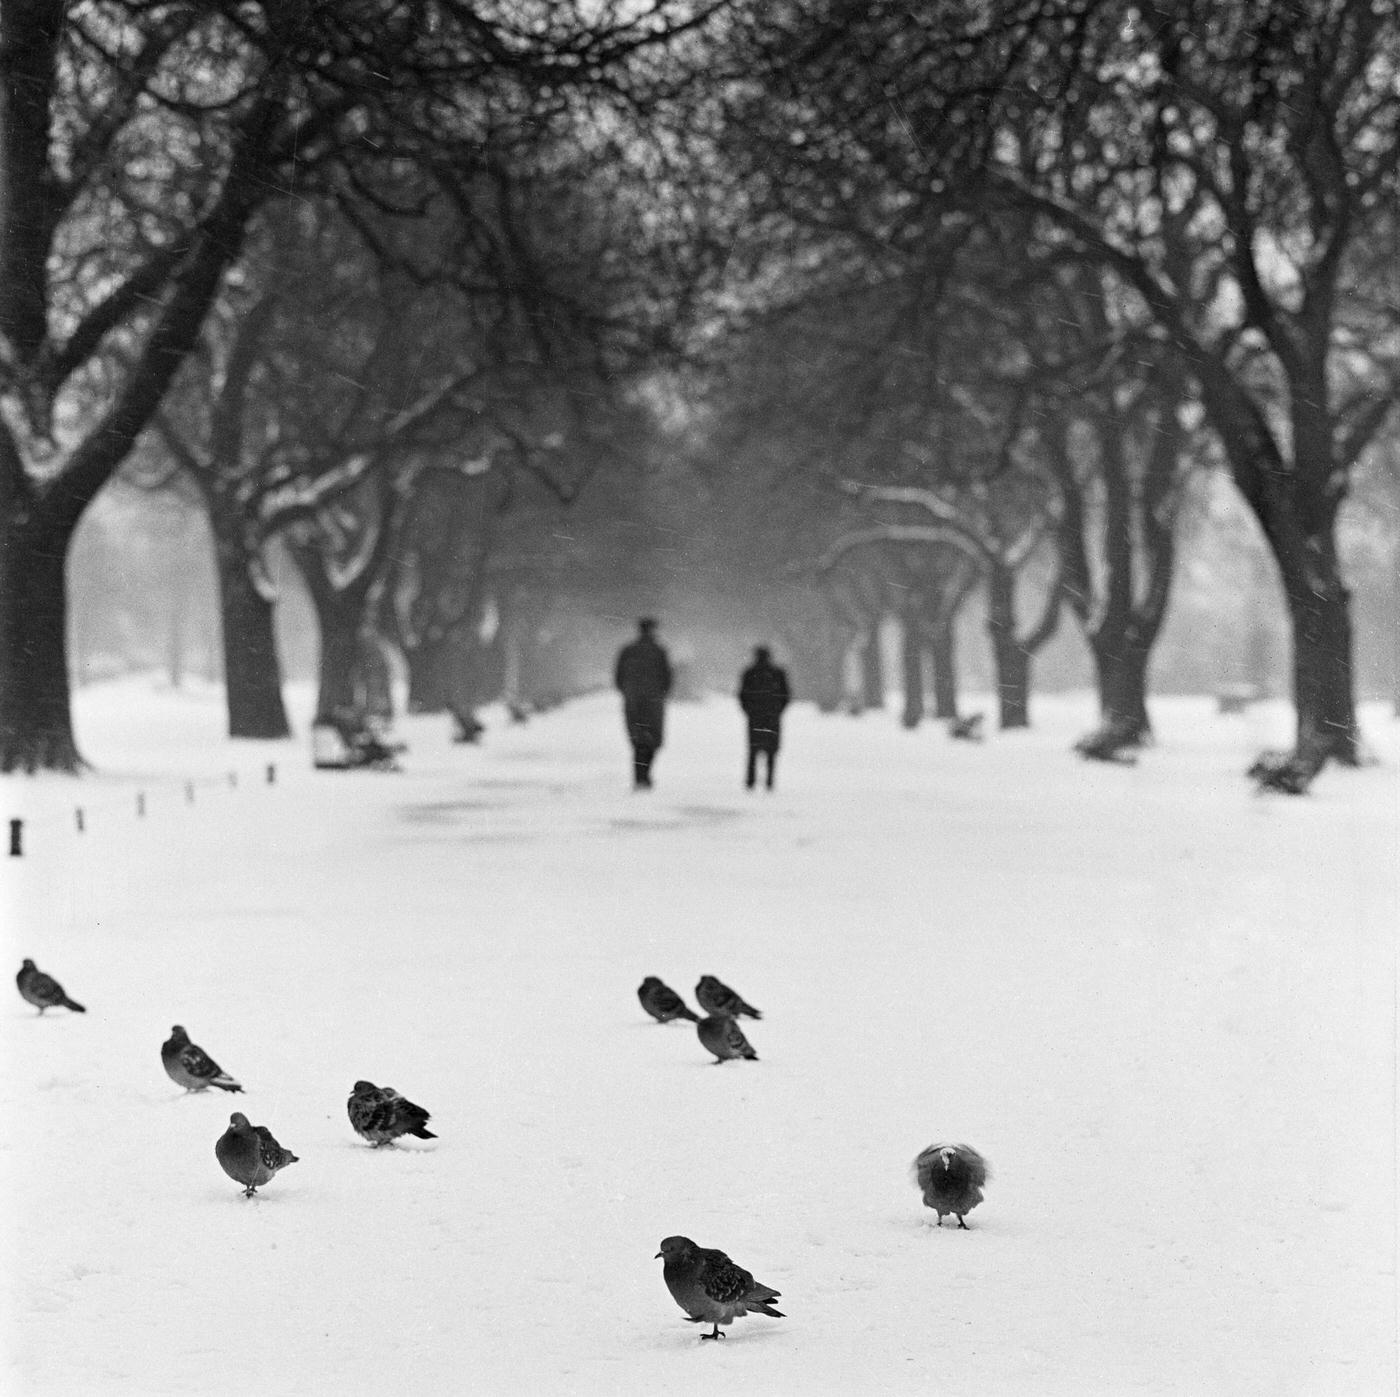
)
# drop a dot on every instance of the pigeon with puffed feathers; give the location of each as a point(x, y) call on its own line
point(380, 1115)
point(249, 1154)
point(951, 1178)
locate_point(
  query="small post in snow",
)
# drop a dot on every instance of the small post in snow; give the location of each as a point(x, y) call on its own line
point(78, 817)
point(272, 773)
point(189, 792)
point(16, 838)
point(140, 803)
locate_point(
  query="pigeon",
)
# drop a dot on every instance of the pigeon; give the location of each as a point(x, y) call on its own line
point(717, 998)
point(663, 1003)
point(380, 1115)
point(710, 1288)
point(724, 1038)
point(189, 1065)
point(951, 1177)
point(43, 990)
point(249, 1154)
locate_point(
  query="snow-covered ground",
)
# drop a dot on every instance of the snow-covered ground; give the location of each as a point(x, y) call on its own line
point(1162, 1006)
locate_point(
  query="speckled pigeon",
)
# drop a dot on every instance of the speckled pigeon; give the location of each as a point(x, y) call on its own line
point(717, 998)
point(710, 1288)
point(249, 1154)
point(43, 990)
point(951, 1177)
point(380, 1115)
point(189, 1065)
point(663, 1003)
point(724, 1038)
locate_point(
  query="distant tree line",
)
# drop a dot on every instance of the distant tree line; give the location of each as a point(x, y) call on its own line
point(890, 306)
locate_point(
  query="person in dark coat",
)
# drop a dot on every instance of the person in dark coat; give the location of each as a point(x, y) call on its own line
point(763, 694)
point(643, 675)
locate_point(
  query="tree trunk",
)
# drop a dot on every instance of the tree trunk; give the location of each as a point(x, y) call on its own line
point(872, 668)
point(942, 646)
point(252, 671)
point(36, 728)
point(373, 676)
point(1120, 665)
point(427, 687)
point(340, 652)
point(1323, 682)
point(911, 654)
point(1010, 657)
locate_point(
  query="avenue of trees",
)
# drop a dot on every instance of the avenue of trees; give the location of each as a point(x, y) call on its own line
point(490, 316)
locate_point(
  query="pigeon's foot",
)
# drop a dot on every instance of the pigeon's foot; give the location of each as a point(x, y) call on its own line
point(963, 1224)
point(249, 1191)
point(715, 1335)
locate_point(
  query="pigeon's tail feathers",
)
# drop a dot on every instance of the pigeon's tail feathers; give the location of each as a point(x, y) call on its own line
point(225, 1083)
point(766, 1308)
point(72, 1004)
point(423, 1133)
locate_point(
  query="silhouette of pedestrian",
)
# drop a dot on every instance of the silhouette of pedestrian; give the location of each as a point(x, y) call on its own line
point(763, 694)
point(643, 674)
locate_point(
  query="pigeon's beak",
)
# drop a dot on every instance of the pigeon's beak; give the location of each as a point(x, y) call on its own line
point(658, 1256)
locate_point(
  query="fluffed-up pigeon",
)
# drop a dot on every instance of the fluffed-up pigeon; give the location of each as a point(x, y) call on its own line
point(380, 1115)
point(190, 1066)
point(249, 1154)
point(722, 1036)
point(951, 1177)
point(717, 998)
point(663, 1003)
point(710, 1288)
point(43, 990)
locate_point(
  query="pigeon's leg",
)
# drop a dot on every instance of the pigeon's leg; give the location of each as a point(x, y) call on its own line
point(249, 1191)
point(715, 1335)
point(963, 1224)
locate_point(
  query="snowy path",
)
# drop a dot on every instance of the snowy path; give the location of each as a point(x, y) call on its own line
point(1162, 1007)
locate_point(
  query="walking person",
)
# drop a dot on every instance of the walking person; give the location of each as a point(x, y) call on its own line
point(763, 694)
point(643, 675)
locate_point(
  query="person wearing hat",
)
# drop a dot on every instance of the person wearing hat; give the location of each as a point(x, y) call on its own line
point(643, 676)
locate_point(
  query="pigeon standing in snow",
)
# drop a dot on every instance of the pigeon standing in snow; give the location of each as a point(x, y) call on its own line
point(951, 1177)
point(663, 1003)
point(710, 1288)
point(249, 1154)
point(717, 998)
point(380, 1115)
point(190, 1066)
point(43, 990)
point(723, 1037)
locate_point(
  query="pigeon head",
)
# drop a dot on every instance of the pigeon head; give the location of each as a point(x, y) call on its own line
point(360, 1088)
point(177, 1031)
point(239, 1121)
point(676, 1248)
point(650, 979)
point(28, 965)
